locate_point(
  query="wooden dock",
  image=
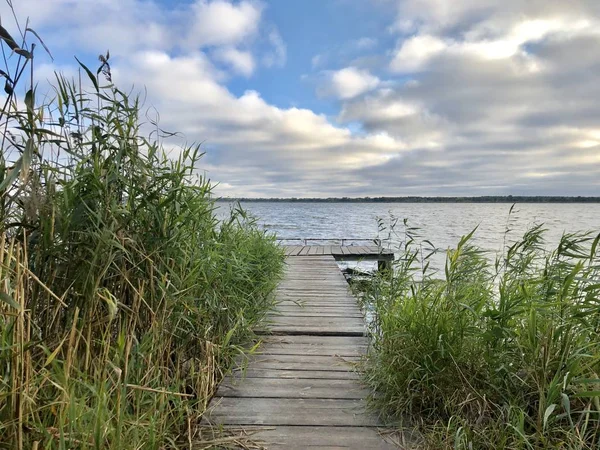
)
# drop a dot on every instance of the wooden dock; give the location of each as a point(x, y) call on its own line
point(302, 390)
point(366, 252)
point(383, 256)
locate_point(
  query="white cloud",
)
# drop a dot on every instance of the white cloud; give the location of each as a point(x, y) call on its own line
point(248, 131)
point(415, 52)
point(442, 16)
point(223, 23)
point(348, 83)
point(242, 62)
point(502, 95)
point(365, 43)
point(278, 54)
point(126, 26)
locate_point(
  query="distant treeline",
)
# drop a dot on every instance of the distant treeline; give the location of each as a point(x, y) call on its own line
point(483, 199)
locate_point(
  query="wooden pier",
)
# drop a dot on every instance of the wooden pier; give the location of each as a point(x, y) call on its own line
point(383, 256)
point(302, 390)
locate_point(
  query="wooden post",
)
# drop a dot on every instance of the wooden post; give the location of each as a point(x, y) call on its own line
point(384, 265)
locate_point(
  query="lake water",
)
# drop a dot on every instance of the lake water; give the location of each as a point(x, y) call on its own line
point(441, 223)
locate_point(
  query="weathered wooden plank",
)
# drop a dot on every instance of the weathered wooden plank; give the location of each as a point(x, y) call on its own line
point(339, 291)
point(318, 261)
point(333, 287)
point(317, 303)
point(341, 323)
point(303, 437)
point(293, 327)
point(323, 284)
point(314, 296)
point(299, 306)
point(292, 250)
point(336, 250)
point(304, 250)
point(316, 274)
point(369, 250)
point(307, 305)
point(294, 293)
point(315, 313)
point(294, 411)
point(323, 302)
point(321, 331)
point(315, 340)
point(320, 300)
point(353, 251)
point(307, 349)
point(326, 363)
point(295, 388)
point(304, 281)
point(292, 374)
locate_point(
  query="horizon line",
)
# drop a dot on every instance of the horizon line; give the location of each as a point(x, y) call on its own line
point(454, 198)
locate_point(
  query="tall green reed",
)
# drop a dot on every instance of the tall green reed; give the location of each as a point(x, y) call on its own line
point(123, 297)
point(493, 353)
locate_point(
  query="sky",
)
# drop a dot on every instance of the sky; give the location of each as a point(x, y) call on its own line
point(331, 98)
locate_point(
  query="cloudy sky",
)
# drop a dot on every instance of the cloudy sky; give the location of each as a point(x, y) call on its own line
point(357, 97)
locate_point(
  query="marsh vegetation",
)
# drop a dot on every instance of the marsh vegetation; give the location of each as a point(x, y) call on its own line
point(122, 298)
point(492, 351)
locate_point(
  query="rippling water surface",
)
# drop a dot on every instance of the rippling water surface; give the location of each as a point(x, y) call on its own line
point(442, 223)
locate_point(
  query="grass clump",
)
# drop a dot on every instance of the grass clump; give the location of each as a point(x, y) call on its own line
point(500, 353)
point(122, 297)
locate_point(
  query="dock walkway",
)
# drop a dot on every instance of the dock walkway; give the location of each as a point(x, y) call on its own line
point(365, 252)
point(302, 391)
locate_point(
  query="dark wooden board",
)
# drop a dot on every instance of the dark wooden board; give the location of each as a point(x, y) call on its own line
point(291, 374)
point(340, 308)
point(303, 437)
point(303, 362)
point(315, 340)
point(295, 388)
point(315, 312)
point(307, 349)
point(296, 412)
point(313, 331)
point(315, 321)
point(317, 304)
point(304, 251)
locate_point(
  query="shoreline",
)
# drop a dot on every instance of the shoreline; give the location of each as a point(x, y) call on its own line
point(485, 199)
